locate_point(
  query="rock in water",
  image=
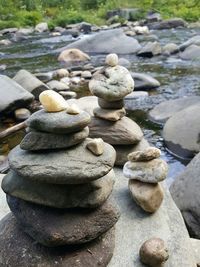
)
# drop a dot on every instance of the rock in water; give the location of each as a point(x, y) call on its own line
point(145, 155)
point(18, 249)
point(14, 96)
point(150, 49)
point(62, 227)
point(112, 84)
point(112, 60)
point(154, 252)
point(58, 122)
point(110, 115)
point(96, 146)
point(122, 132)
point(29, 82)
point(75, 165)
point(152, 171)
point(52, 101)
point(89, 195)
point(73, 55)
point(39, 140)
point(148, 196)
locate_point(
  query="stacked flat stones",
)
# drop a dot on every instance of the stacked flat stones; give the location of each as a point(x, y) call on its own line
point(111, 84)
point(58, 190)
point(146, 170)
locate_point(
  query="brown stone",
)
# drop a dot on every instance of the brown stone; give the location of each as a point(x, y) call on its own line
point(146, 155)
point(110, 115)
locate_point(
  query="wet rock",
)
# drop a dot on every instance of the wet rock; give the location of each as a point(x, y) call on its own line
point(88, 195)
point(148, 196)
point(122, 132)
point(152, 171)
point(22, 114)
point(154, 252)
point(5, 42)
point(73, 55)
point(102, 84)
point(168, 24)
point(44, 76)
point(85, 27)
point(96, 43)
point(170, 49)
point(136, 95)
point(64, 166)
point(58, 122)
point(96, 146)
point(18, 249)
point(144, 81)
point(41, 27)
point(112, 60)
point(39, 140)
point(192, 52)
point(52, 101)
point(185, 192)
point(162, 112)
point(8, 31)
point(110, 105)
point(150, 49)
point(57, 86)
point(29, 82)
point(145, 155)
point(181, 132)
point(110, 115)
point(14, 96)
point(195, 40)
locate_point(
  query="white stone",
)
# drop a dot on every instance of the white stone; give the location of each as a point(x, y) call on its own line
point(52, 101)
point(96, 146)
point(112, 60)
point(73, 109)
point(61, 73)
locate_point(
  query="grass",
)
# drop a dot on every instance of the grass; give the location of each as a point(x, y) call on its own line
point(15, 13)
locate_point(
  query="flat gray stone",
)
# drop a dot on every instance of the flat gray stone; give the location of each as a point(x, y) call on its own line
point(195, 40)
point(196, 249)
point(29, 82)
point(75, 165)
point(110, 115)
point(39, 140)
point(192, 52)
point(163, 111)
point(110, 105)
point(88, 195)
point(14, 96)
point(58, 122)
point(144, 81)
point(122, 132)
point(62, 227)
point(18, 249)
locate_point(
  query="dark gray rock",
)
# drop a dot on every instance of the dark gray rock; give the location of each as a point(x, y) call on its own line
point(182, 131)
point(122, 132)
point(150, 49)
point(39, 140)
point(88, 195)
point(162, 112)
point(18, 249)
point(144, 81)
point(192, 52)
point(185, 192)
point(116, 42)
point(58, 122)
point(168, 24)
point(62, 227)
point(153, 17)
point(29, 82)
point(13, 95)
point(110, 105)
point(75, 165)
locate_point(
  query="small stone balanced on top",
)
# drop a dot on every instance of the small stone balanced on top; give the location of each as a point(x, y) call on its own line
point(145, 170)
point(111, 84)
point(57, 190)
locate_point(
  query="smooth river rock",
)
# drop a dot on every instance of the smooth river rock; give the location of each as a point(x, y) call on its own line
point(122, 132)
point(62, 227)
point(192, 52)
point(18, 249)
point(75, 165)
point(152, 171)
point(110, 115)
point(88, 195)
point(112, 83)
point(58, 122)
point(145, 155)
point(110, 105)
point(40, 140)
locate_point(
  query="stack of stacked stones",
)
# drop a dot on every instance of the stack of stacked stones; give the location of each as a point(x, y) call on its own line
point(145, 170)
point(111, 84)
point(58, 190)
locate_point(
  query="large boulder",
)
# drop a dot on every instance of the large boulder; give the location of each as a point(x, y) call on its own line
point(192, 52)
point(12, 95)
point(163, 111)
point(185, 192)
point(144, 81)
point(110, 41)
point(29, 82)
point(181, 132)
point(168, 24)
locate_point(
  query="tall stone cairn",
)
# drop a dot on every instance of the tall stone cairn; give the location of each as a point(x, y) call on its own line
point(58, 190)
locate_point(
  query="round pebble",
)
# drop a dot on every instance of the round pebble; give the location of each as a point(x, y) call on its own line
point(112, 60)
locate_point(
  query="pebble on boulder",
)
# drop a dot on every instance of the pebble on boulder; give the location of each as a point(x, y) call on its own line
point(112, 60)
point(146, 155)
point(73, 109)
point(52, 101)
point(154, 252)
point(96, 146)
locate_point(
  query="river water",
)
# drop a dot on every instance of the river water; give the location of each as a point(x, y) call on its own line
point(178, 78)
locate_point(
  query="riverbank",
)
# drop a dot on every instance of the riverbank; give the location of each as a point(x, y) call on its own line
point(60, 13)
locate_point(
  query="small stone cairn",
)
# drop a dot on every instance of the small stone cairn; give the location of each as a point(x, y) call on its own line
point(58, 190)
point(111, 84)
point(145, 170)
